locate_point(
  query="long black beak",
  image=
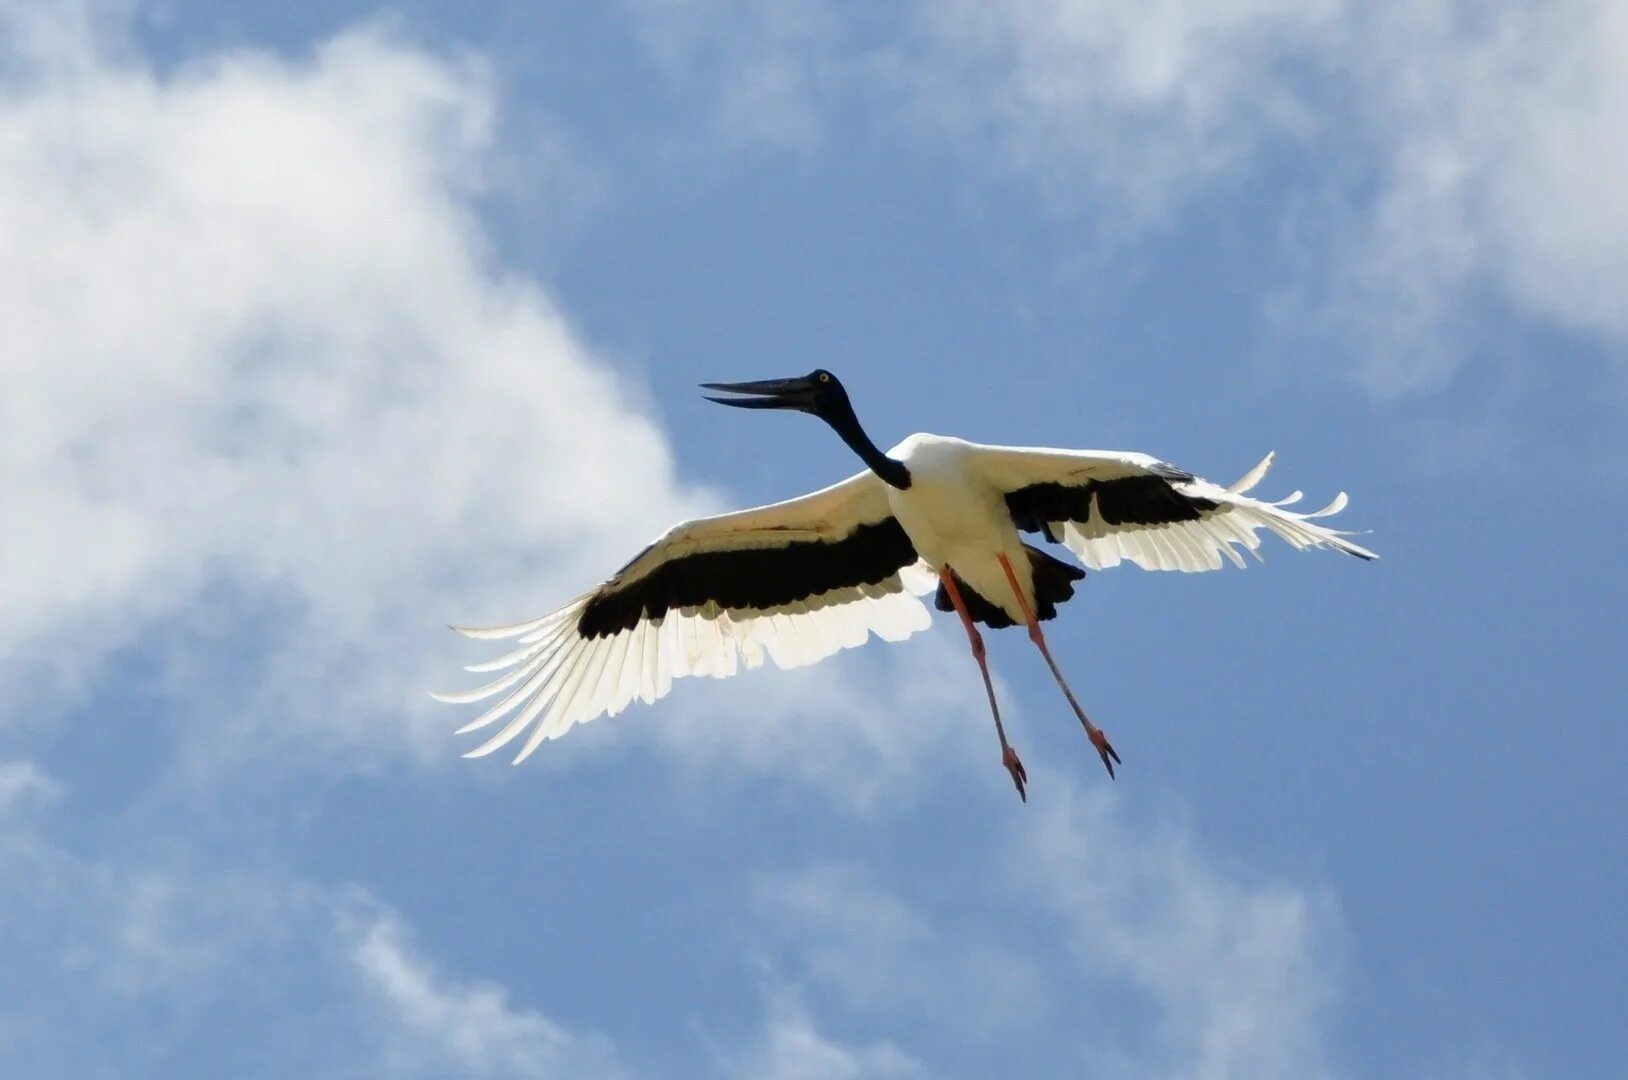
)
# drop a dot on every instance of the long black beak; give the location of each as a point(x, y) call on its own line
point(799, 393)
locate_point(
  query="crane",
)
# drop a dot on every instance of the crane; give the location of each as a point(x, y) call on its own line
point(799, 580)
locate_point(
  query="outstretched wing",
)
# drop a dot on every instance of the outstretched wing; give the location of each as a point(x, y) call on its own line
point(1107, 506)
point(795, 581)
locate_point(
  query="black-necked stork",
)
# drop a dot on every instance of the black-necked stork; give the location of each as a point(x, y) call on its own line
point(799, 580)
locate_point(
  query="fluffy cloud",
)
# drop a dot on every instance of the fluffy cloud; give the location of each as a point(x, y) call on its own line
point(256, 972)
point(1487, 150)
point(275, 418)
point(22, 783)
point(785, 59)
point(256, 348)
point(470, 1030)
point(1501, 171)
point(1133, 101)
point(1169, 962)
point(861, 736)
point(791, 1047)
point(1465, 153)
point(1442, 153)
point(1241, 972)
point(882, 952)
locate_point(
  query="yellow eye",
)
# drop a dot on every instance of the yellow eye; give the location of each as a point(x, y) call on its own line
point(824, 377)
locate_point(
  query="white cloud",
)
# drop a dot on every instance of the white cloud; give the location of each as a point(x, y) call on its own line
point(1135, 102)
point(1170, 963)
point(472, 1029)
point(275, 417)
point(254, 342)
point(1503, 171)
point(1444, 152)
point(134, 925)
point(1474, 149)
point(23, 783)
point(864, 728)
point(163, 957)
point(882, 954)
point(784, 62)
point(791, 1047)
point(1240, 970)
point(159, 931)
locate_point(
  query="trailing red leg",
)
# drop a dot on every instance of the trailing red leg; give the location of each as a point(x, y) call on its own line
point(1009, 758)
point(1104, 750)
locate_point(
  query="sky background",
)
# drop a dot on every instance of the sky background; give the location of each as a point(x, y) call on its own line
point(330, 324)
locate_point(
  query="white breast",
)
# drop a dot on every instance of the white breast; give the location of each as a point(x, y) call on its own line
point(949, 514)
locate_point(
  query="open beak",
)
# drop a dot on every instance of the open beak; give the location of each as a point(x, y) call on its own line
point(798, 393)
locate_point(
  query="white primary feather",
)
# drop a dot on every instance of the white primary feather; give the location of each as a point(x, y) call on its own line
point(557, 678)
point(1246, 483)
point(1190, 546)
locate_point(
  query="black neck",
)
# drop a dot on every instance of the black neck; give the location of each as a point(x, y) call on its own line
point(846, 424)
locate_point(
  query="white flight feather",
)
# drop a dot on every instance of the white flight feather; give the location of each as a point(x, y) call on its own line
point(1196, 545)
point(556, 678)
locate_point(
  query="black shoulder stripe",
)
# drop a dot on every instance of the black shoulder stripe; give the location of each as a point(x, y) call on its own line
point(753, 579)
point(1131, 500)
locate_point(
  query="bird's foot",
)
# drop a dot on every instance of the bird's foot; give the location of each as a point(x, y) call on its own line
point(1014, 765)
point(1109, 757)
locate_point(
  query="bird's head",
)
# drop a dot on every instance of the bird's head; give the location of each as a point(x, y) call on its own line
point(819, 392)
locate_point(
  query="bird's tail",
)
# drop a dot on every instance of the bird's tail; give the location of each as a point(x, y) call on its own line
point(1053, 584)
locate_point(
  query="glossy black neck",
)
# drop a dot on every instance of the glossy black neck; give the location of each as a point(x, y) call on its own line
point(845, 423)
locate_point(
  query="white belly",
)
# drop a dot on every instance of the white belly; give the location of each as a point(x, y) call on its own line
point(947, 521)
point(956, 520)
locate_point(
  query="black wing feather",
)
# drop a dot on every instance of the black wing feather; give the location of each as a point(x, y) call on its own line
point(1129, 500)
point(751, 578)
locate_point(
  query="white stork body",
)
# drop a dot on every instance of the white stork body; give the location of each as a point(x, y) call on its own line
point(956, 519)
point(798, 580)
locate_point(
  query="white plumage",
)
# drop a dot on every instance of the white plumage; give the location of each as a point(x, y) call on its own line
point(1189, 546)
point(796, 581)
point(548, 686)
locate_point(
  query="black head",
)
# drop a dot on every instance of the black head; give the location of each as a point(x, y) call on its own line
point(819, 392)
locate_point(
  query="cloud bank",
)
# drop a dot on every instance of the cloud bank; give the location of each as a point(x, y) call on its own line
point(1125, 948)
point(168, 961)
point(1425, 159)
point(256, 351)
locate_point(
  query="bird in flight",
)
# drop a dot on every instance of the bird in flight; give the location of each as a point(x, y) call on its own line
point(796, 581)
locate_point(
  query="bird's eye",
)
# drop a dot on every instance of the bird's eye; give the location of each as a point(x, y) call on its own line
point(825, 376)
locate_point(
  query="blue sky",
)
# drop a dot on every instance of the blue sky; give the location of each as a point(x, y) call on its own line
point(329, 325)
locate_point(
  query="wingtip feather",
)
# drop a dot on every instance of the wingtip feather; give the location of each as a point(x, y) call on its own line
point(1254, 476)
point(1338, 503)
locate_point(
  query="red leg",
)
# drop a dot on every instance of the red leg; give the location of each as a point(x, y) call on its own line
point(1009, 757)
point(1109, 757)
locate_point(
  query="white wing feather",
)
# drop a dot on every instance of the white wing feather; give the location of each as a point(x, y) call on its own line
point(557, 678)
point(1192, 546)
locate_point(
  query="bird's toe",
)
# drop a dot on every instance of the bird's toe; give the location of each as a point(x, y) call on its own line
point(1105, 750)
point(1020, 775)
